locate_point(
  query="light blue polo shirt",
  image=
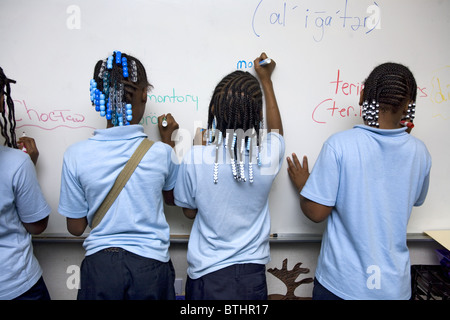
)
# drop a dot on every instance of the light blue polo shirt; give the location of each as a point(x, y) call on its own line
point(232, 225)
point(372, 178)
point(21, 200)
point(136, 220)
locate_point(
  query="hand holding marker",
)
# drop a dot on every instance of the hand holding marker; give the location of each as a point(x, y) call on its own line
point(265, 61)
point(28, 145)
point(24, 149)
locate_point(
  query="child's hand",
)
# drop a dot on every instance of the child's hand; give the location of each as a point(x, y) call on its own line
point(298, 174)
point(166, 131)
point(264, 72)
point(28, 145)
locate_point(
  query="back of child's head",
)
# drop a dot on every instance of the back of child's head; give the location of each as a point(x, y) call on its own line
point(236, 103)
point(8, 114)
point(235, 117)
point(115, 80)
point(387, 89)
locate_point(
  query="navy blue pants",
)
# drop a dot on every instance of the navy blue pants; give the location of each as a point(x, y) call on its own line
point(236, 282)
point(322, 293)
point(116, 274)
point(37, 292)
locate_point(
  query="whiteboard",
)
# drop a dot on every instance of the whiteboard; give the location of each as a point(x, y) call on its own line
point(323, 49)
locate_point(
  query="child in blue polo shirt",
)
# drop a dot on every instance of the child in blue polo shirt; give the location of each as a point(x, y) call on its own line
point(225, 187)
point(127, 253)
point(366, 181)
point(23, 209)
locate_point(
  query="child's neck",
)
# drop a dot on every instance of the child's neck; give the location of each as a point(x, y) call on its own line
point(389, 120)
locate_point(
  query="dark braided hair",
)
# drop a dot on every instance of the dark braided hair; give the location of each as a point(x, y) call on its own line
point(113, 79)
point(117, 72)
point(391, 85)
point(5, 91)
point(236, 103)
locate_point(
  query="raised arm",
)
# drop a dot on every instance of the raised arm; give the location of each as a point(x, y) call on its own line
point(272, 113)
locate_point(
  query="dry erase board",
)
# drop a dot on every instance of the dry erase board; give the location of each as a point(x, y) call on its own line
point(324, 50)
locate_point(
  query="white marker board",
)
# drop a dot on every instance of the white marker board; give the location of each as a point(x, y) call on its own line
point(324, 50)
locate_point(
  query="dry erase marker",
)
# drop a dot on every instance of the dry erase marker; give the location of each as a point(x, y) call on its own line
point(23, 145)
point(164, 122)
point(265, 61)
point(407, 124)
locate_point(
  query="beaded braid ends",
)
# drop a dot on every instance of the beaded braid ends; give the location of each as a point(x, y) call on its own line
point(387, 88)
point(7, 113)
point(370, 113)
point(107, 88)
point(235, 117)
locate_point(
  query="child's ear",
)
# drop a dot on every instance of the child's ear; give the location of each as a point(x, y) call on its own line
point(144, 95)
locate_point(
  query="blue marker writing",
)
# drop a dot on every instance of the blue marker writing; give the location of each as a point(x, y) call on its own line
point(265, 61)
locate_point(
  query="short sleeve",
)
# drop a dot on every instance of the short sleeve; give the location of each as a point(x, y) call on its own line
point(186, 185)
point(30, 202)
point(424, 191)
point(173, 170)
point(323, 183)
point(72, 200)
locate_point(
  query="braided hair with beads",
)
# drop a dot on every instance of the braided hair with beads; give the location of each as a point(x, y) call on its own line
point(387, 88)
point(8, 118)
point(235, 116)
point(115, 79)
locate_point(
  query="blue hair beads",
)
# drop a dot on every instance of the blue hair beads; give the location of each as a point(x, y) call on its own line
point(118, 57)
point(110, 103)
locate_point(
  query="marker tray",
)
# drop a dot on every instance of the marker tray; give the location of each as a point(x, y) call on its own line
point(429, 282)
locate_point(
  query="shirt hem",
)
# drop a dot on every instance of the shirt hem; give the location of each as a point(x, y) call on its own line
point(27, 285)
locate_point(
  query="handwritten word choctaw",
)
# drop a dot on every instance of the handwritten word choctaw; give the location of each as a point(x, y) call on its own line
point(27, 116)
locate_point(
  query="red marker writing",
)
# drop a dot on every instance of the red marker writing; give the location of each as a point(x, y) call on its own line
point(407, 124)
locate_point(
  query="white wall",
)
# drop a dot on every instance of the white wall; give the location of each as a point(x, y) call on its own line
point(56, 257)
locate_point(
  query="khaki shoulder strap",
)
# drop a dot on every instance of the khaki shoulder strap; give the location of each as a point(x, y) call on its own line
point(121, 180)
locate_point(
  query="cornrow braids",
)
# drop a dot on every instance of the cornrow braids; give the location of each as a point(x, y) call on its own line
point(236, 107)
point(5, 91)
point(114, 82)
point(387, 88)
point(236, 99)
